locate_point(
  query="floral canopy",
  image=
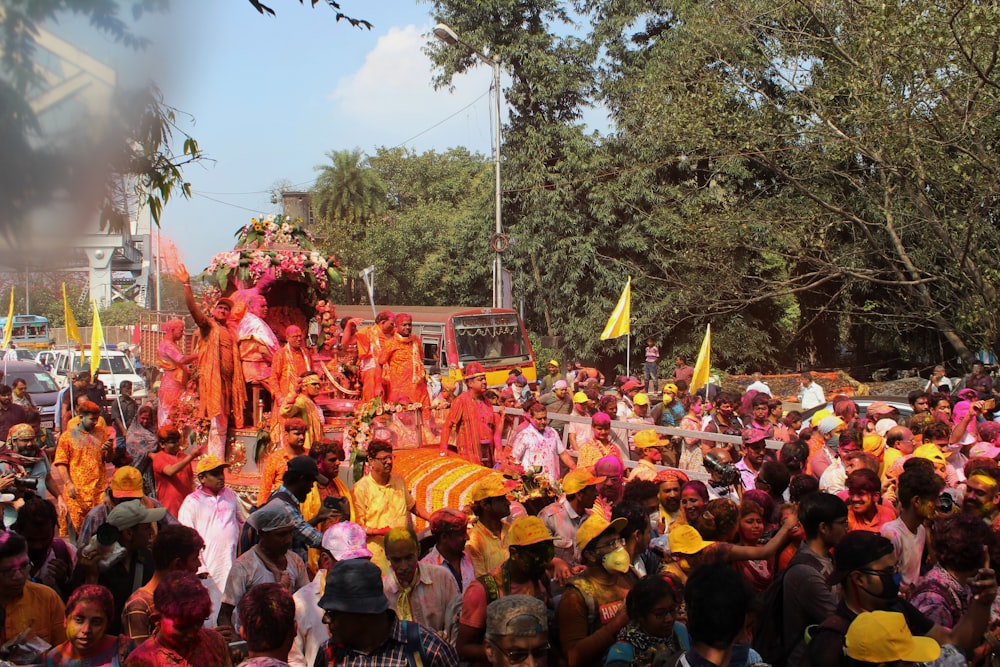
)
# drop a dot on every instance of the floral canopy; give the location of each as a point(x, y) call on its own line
point(278, 248)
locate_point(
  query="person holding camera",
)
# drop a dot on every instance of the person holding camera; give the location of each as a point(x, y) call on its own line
point(300, 476)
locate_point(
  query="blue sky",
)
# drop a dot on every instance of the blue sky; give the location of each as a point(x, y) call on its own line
point(269, 96)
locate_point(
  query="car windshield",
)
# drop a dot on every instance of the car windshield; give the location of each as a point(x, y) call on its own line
point(39, 382)
point(117, 365)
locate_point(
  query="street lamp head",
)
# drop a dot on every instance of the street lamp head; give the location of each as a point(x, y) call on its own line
point(446, 34)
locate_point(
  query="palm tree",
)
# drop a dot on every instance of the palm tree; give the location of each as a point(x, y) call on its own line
point(347, 191)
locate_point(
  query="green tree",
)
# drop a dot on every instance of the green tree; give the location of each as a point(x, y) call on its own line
point(858, 137)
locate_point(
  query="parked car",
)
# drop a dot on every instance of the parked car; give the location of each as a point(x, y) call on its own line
point(115, 366)
point(41, 385)
point(901, 404)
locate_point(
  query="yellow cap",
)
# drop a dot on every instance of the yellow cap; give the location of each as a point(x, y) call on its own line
point(670, 388)
point(819, 416)
point(553, 362)
point(492, 486)
point(686, 540)
point(580, 397)
point(640, 399)
point(932, 453)
point(884, 637)
point(577, 480)
point(594, 525)
point(210, 462)
point(528, 530)
point(647, 438)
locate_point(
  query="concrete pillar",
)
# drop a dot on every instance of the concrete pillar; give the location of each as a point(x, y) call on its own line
point(99, 261)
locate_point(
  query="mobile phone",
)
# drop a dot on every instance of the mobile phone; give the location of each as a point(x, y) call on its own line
point(990, 404)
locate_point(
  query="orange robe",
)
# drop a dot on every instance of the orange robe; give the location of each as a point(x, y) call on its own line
point(286, 367)
point(81, 453)
point(404, 359)
point(371, 343)
point(221, 389)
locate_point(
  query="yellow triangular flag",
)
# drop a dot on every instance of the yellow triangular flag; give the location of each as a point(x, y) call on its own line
point(96, 342)
point(72, 331)
point(8, 327)
point(703, 366)
point(619, 324)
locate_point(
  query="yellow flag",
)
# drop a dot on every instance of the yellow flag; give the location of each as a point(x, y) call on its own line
point(96, 342)
point(72, 331)
point(619, 323)
point(703, 366)
point(8, 327)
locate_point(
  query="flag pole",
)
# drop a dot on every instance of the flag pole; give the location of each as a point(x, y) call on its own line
point(628, 354)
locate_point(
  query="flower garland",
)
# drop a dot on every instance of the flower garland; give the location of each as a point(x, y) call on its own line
point(329, 330)
point(360, 429)
point(534, 484)
point(276, 245)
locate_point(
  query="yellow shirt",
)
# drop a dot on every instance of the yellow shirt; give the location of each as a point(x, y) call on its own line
point(593, 451)
point(487, 551)
point(382, 506)
point(41, 608)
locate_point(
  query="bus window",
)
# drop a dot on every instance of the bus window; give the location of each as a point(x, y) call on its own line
point(430, 352)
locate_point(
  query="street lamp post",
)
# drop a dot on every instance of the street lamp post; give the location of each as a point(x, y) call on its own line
point(498, 243)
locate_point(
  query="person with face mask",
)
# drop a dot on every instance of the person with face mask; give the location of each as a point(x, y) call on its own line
point(523, 573)
point(592, 608)
point(918, 490)
point(865, 564)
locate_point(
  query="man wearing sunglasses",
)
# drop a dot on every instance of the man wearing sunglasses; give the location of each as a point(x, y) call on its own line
point(517, 632)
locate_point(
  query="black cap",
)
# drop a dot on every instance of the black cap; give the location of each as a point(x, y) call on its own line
point(303, 465)
point(857, 549)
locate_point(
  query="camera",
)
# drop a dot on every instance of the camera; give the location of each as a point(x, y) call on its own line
point(337, 505)
point(26, 483)
point(727, 473)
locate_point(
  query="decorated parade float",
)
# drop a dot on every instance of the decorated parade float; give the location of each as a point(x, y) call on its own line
point(275, 261)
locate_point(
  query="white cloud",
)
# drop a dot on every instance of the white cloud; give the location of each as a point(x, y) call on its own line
point(393, 91)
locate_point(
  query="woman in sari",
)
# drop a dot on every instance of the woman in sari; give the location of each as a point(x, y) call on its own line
point(141, 443)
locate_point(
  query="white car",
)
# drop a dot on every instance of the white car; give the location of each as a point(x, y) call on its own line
point(114, 368)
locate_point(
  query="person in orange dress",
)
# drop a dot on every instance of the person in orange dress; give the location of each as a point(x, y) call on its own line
point(221, 389)
point(403, 356)
point(173, 365)
point(372, 341)
point(477, 428)
point(287, 366)
point(277, 461)
point(80, 459)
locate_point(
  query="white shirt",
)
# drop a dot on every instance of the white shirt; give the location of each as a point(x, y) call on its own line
point(218, 520)
point(760, 387)
point(311, 631)
point(533, 448)
point(834, 478)
point(909, 548)
point(430, 596)
point(811, 395)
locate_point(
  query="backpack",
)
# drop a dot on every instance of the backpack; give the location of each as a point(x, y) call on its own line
point(768, 631)
point(248, 534)
point(453, 610)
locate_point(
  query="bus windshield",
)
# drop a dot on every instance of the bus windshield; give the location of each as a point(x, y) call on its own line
point(495, 337)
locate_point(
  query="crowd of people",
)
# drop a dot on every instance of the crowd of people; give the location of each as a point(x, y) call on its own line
point(750, 536)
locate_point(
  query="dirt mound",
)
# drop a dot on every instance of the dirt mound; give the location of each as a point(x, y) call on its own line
point(786, 385)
